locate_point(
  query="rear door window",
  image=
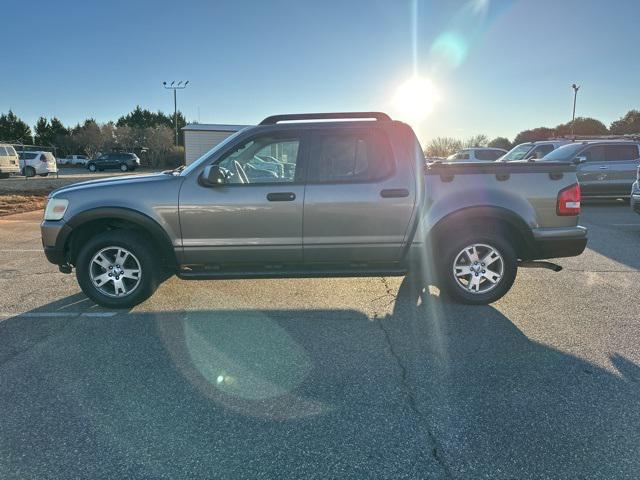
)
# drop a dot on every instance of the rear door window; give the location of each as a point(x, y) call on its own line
point(3, 152)
point(350, 157)
point(621, 152)
point(488, 154)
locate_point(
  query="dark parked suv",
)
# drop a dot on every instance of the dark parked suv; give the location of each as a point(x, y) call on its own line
point(121, 161)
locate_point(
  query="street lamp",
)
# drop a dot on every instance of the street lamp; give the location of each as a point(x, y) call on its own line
point(573, 118)
point(174, 87)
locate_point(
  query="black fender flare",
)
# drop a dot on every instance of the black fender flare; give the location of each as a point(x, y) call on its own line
point(146, 223)
point(501, 214)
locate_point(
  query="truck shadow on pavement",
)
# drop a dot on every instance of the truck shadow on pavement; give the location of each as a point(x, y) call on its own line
point(430, 390)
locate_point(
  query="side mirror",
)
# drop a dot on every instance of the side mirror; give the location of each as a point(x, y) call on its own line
point(580, 159)
point(212, 176)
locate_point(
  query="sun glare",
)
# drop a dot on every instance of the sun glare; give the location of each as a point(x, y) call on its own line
point(415, 99)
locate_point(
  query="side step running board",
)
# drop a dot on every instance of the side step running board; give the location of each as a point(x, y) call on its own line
point(540, 264)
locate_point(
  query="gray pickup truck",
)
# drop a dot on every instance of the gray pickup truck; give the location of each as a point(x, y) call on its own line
point(301, 196)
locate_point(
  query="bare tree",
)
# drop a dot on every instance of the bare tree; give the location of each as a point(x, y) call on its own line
point(159, 141)
point(479, 140)
point(442, 147)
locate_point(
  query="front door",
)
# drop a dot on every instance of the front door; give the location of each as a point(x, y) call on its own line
point(593, 173)
point(358, 202)
point(255, 217)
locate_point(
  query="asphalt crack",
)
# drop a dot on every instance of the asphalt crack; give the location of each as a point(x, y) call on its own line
point(405, 383)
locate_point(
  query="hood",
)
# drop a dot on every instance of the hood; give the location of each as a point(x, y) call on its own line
point(112, 181)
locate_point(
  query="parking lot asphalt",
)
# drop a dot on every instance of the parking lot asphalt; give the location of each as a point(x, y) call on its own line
point(324, 378)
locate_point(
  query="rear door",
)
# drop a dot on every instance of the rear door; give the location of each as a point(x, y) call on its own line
point(622, 163)
point(592, 174)
point(358, 202)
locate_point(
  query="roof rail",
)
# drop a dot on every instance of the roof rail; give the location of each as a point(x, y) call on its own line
point(272, 120)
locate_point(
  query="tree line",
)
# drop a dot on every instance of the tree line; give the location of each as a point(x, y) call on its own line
point(149, 134)
point(629, 124)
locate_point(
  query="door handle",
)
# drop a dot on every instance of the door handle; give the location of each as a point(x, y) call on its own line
point(394, 193)
point(281, 197)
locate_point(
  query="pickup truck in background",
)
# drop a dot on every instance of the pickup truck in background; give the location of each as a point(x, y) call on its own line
point(300, 196)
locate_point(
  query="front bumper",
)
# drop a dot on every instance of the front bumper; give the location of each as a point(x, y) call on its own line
point(557, 243)
point(54, 240)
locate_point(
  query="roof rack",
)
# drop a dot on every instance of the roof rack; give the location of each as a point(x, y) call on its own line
point(272, 120)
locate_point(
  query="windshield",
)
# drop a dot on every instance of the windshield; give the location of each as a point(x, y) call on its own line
point(564, 153)
point(206, 156)
point(517, 153)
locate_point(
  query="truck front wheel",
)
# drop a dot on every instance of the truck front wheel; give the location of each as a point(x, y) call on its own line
point(477, 269)
point(117, 269)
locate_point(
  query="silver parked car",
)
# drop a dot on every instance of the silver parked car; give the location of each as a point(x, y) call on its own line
point(477, 154)
point(606, 169)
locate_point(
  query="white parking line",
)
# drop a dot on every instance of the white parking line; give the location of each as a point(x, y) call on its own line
point(21, 250)
point(626, 224)
point(58, 314)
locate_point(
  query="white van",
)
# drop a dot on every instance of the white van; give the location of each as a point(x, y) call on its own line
point(37, 163)
point(9, 162)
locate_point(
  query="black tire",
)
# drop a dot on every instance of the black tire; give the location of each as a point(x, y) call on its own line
point(29, 172)
point(139, 247)
point(4, 175)
point(92, 167)
point(123, 167)
point(43, 174)
point(450, 250)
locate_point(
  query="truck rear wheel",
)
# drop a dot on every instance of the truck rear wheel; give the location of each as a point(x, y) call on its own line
point(477, 269)
point(117, 269)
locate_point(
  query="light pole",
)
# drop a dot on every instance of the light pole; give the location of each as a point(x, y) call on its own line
point(174, 87)
point(573, 118)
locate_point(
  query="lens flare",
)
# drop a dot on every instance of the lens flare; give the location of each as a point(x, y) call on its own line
point(415, 99)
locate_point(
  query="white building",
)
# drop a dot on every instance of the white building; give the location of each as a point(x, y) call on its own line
point(199, 138)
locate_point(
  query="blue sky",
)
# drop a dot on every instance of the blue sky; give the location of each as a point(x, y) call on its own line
point(499, 66)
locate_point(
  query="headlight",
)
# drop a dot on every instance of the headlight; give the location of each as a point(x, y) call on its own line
point(56, 208)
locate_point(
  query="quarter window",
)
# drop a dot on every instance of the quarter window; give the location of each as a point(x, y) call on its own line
point(621, 152)
point(349, 157)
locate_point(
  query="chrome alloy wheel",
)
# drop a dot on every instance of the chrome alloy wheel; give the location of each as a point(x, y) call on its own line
point(478, 268)
point(115, 272)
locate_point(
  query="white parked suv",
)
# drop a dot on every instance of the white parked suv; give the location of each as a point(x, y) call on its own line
point(532, 150)
point(73, 160)
point(8, 160)
point(37, 163)
point(477, 154)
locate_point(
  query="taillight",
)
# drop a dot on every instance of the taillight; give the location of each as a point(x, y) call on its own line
point(569, 201)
